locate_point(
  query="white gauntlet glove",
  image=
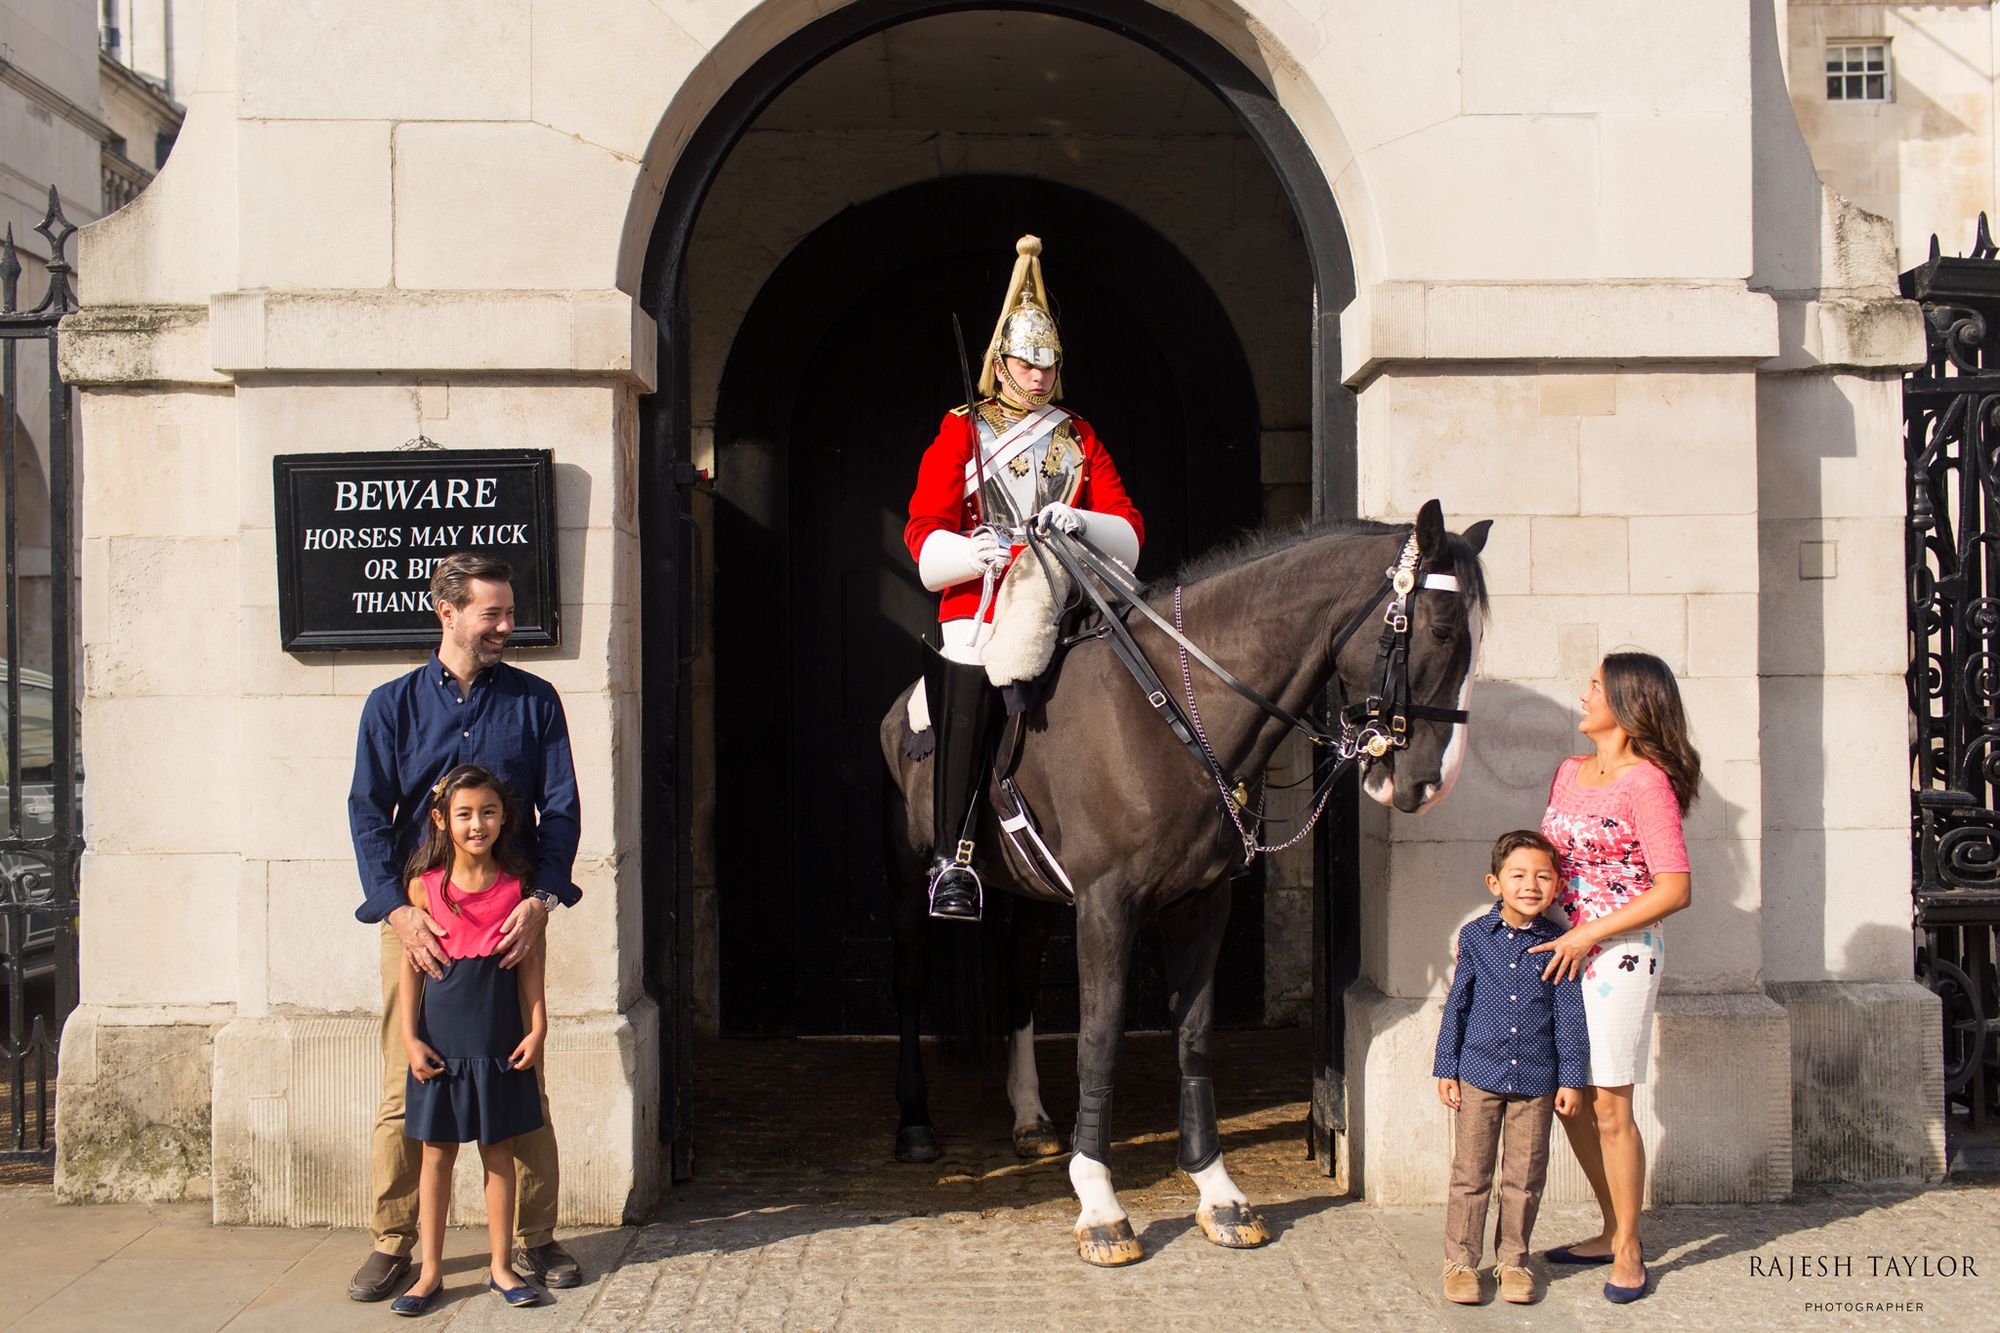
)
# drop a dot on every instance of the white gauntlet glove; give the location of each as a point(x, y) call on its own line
point(1060, 517)
point(989, 550)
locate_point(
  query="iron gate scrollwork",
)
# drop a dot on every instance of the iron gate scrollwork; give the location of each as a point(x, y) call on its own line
point(41, 835)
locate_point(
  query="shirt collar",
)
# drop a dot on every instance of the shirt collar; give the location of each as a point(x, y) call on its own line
point(441, 673)
point(1541, 925)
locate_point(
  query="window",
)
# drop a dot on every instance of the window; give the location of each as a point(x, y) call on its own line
point(1857, 71)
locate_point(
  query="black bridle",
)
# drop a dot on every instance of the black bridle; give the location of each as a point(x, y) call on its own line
point(1368, 728)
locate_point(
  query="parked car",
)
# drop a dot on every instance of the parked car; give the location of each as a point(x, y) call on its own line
point(27, 879)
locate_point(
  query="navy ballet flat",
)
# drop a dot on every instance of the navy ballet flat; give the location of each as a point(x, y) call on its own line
point(515, 1296)
point(1626, 1295)
point(1563, 1254)
point(411, 1305)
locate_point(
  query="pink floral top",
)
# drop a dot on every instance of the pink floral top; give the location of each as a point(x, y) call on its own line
point(1613, 839)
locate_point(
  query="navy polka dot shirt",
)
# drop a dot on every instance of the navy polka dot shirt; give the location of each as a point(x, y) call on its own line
point(1505, 1029)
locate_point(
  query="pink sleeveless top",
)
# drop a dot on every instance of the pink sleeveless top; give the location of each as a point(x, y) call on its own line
point(1612, 839)
point(474, 930)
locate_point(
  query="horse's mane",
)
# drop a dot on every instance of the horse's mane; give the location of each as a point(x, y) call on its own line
point(1252, 546)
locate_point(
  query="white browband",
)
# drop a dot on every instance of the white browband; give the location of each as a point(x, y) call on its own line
point(1441, 582)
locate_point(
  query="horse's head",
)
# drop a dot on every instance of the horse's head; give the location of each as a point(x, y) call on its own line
point(1444, 633)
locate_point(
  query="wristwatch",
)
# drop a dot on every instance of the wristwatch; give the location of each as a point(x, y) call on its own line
point(548, 900)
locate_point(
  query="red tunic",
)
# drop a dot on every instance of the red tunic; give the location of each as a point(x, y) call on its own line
point(940, 504)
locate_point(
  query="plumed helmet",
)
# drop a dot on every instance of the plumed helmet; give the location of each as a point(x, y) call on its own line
point(1026, 328)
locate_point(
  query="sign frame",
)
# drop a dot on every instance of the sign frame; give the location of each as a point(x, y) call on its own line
point(537, 619)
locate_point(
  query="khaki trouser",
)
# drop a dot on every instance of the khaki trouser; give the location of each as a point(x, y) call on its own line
point(395, 1161)
point(1478, 1129)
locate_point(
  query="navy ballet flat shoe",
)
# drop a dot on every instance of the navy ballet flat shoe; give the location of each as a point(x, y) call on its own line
point(515, 1296)
point(1563, 1254)
point(411, 1305)
point(1626, 1295)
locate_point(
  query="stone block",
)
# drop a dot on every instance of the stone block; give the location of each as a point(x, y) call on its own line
point(583, 423)
point(334, 59)
point(1849, 619)
point(155, 930)
point(1507, 560)
point(1547, 56)
point(1579, 393)
point(1651, 224)
point(321, 958)
point(1694, 554)
point(1716, 945)
point(135, 1109)
point(599, 566)
point(1681, 443)
point(1837, 905)
point(295, 1100)
point(1838, 752)
point(578, 52)
point(1526, 636)
point(1867, 1082)
point(1731, 802)
point(1477, 441)
point(163, 774)
point(264, 670)
point(1580, 555)
point(1432, 889)
point(184, 444)
point(1722, 635)
point(454, 231)
point(319, 212)
point(1714, 1111)
point(1532, 182)
point(312, 417)
point(584, 945)
point(149, 644)
point(1723, 715)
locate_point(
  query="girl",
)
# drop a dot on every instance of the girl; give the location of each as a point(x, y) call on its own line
point(472, 1055)
point(1615, 815)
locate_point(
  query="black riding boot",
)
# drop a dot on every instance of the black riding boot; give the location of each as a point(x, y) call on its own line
point(962, 703)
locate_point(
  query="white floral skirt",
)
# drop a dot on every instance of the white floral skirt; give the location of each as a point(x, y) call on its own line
point(1621, 988)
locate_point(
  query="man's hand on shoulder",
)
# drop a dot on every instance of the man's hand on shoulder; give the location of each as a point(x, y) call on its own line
point(419, 934)
point(523, 930)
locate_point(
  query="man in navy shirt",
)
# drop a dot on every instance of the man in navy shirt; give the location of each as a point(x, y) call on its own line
point(463, 706)
point(1512, 1049)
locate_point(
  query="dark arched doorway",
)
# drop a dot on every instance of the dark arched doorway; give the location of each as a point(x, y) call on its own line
point(834, 385)
point(667, 475)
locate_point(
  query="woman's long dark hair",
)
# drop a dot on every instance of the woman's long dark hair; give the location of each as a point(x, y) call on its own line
point(436, 848)
point(1647, 703)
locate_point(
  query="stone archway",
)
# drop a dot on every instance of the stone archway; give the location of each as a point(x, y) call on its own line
point(667, 472)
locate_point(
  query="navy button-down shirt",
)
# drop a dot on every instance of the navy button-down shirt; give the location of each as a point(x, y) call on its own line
point(1505, 1029)
point(417, 728)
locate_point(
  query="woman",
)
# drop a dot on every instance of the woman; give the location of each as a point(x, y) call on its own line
point(1615, 815)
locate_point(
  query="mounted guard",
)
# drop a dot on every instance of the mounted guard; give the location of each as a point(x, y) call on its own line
point(1007, 460)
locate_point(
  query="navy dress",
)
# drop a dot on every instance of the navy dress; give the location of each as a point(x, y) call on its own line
point(472, 1018)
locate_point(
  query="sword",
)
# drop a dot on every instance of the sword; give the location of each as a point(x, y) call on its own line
point(988, 577)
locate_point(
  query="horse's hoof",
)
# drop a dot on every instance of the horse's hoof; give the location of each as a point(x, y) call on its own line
point(917, 1143)
point(1037, 1140)
point(1109, 1246)
point(1234, 1226)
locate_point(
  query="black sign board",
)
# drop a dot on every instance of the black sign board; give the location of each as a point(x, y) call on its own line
point(359, 534)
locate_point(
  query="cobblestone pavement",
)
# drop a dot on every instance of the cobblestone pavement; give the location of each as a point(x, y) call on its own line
point(799, 1222)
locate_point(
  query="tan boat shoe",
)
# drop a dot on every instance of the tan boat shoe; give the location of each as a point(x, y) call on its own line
point(1516, 1284)
point(1461, 1284)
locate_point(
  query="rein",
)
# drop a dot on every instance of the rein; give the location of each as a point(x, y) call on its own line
point(1368, 729)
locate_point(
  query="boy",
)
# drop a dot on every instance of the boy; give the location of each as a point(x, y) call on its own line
point(1512, 1048)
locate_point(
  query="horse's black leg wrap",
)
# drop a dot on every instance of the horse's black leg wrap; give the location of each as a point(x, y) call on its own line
point(1200, 1143)
point(1093, 1126)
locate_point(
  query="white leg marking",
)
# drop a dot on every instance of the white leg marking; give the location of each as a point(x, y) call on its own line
point(1024, 1081)
point(1091, 1179)
point(1216, 1187)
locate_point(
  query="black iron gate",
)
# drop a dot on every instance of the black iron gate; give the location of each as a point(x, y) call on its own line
point(42, 835)
point(1951, 440)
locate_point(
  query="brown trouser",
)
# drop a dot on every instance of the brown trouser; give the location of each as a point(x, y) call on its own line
point(1477, 1133)
point(395, 1161)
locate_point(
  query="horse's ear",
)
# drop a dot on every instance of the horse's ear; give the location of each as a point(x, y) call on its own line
point(1430, 531)
point(1475, 536)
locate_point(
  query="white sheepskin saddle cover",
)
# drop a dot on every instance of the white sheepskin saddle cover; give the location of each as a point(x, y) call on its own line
point(1023, 641)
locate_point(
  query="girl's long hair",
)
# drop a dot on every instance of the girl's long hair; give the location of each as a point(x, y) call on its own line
point(1647, 703)
point(436, 847)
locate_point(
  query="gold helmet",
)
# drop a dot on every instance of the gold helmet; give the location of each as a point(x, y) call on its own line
point(1026, 330)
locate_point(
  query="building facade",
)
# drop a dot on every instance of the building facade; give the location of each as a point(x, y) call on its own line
point(1569, 268)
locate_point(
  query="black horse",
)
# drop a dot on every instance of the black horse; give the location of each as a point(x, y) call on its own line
point(1139, 825)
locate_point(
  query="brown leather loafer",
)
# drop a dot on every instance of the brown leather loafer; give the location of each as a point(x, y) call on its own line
point(1517, 1285)
point(375, 1279)
point(1461, 1284)
point(549, 1264)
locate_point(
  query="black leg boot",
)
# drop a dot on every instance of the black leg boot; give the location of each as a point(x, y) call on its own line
point(962, 703)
